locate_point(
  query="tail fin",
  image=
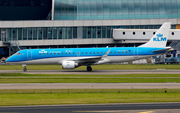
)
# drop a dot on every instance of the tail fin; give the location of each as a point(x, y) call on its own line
point(160, 38)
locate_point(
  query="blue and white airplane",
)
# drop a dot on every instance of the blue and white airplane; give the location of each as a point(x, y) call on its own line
point(72, 58)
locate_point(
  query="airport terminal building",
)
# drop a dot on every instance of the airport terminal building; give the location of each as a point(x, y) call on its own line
point(83, 23)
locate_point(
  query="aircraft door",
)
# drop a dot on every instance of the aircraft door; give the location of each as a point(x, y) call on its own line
point(29, 54)
point(135, 51)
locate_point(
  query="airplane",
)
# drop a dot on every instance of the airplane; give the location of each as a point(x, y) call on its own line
point(71, 58)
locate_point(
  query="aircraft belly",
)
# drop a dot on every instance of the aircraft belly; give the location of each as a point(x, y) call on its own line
point(41, 61)
point(55, 60)
point(38, 61)
point(118, 59)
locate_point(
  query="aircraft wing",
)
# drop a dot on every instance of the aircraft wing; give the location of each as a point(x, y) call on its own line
point(89, 60)
point(85, 61)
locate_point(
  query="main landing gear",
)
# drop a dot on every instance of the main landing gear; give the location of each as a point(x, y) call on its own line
point(24, 65)
point(89, 68)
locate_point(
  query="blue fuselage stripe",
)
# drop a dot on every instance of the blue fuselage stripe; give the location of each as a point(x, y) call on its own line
point(35, 54)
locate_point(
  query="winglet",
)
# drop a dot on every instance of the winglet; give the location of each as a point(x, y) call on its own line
point(106, 53)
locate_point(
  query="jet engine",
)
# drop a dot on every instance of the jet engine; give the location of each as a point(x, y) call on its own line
point(69, 65)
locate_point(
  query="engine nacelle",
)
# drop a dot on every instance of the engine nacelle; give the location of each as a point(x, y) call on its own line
point(69, 65)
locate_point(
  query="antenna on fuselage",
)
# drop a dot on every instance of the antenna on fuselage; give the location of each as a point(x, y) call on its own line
point(106, 46)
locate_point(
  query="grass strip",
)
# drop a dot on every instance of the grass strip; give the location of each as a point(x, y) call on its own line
point(89, 80)
point(20, 75)
point(130, 78)
point(73, 91)
point(85, 98)
point(95, 67)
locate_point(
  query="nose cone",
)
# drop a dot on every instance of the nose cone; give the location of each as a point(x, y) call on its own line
point(10, 59)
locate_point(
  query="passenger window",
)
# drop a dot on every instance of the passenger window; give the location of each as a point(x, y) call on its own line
point(58, 53)
point(101, 52)
point(97, 52)
point(86, 52)
point(54, 53)
point(73, 53)
point(126, 51)
point(39, 53)
point(47, 53)
point(43, 53)
point(90, 52)
point(114, 52)
point(82, 53)
point(129, 51)
point(51, 53)
point(122, 51)
point(62, 53)
point(66, 53)
point(69, 53)
point(111, 52)
point(93, 52)
point(118, 52)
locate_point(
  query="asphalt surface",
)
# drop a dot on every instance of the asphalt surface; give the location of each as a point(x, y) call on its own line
point(106, 108)
point(94, 72)
point(90, 86)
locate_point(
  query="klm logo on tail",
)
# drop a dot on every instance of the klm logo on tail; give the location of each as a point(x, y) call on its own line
point(159, 38)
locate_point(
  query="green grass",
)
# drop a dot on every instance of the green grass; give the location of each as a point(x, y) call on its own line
point(74, 91)
point(89, 80)
point(96, 67)
point(23, 75)
point(130, 78)
point(85, 98)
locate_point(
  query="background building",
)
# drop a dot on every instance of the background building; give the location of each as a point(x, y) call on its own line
point(83, 23)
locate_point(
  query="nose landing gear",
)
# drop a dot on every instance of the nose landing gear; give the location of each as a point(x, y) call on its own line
point(25, 69)
point(89, 68)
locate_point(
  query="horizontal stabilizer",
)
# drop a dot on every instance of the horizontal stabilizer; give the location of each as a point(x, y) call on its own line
point(166, 49)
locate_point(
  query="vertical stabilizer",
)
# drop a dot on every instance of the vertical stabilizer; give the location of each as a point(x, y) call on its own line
point(160, 38)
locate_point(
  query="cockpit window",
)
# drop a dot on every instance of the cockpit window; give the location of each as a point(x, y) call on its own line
point(18, 54)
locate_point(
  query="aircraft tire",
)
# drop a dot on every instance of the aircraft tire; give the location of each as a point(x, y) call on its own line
point(24, 69)
point(89, 68)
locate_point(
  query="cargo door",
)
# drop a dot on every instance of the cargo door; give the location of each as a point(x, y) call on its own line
point(135, 51)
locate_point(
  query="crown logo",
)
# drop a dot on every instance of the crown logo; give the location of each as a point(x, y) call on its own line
point(159, 35)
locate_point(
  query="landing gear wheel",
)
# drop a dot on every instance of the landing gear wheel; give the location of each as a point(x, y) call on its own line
point(24, 69)
point(89, 68)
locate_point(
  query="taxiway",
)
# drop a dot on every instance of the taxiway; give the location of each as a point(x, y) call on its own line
point(90, 86)
point(94, 72)
point(100, 108)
